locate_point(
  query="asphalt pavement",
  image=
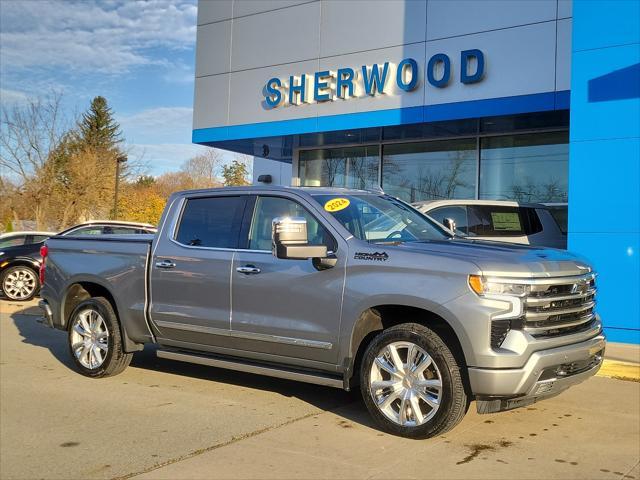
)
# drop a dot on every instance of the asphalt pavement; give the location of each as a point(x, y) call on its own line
point(165, 419)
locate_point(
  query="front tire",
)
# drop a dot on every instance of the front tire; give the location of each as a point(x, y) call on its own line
point(95, 341)
point(20, 283)
point(411, 383)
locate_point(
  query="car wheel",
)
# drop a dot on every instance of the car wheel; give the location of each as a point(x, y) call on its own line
point(95, 341)
point(20, 283)
point(411, 383)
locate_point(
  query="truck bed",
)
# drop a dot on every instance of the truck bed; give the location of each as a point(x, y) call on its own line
point(117, 263)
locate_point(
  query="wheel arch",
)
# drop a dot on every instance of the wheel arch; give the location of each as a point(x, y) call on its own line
point(82, 290)
point(380, 317)
point(21, 261)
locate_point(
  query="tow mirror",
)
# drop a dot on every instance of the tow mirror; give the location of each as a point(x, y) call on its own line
point(289, 240)
point(450, 223)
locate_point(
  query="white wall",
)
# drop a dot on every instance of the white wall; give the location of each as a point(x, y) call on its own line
point(280, 171)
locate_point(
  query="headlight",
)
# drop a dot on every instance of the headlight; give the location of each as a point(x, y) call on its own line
point(1, 253)
point(483, 286)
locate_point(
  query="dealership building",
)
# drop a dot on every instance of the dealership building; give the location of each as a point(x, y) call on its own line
point(528, 100)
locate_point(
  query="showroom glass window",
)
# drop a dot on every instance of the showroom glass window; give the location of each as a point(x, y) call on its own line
point(526, 168)
point(351, 167)
point(433, 170)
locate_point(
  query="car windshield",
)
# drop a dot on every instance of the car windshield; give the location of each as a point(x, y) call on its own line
point(381, 218)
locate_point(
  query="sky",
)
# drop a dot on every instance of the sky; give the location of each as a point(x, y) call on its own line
point(139, 55)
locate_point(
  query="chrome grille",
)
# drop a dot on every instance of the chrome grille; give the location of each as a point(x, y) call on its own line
point(559, 306)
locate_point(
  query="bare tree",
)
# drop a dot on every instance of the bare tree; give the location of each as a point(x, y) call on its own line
point(202, 169)
point(29, 132)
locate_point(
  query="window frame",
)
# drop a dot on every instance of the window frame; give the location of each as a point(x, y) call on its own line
point(24, 241)
point(173, 235)
point(478, 135)
point(249, 220)
point(525, 217)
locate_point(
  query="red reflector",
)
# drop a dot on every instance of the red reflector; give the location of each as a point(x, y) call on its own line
point(44, 251)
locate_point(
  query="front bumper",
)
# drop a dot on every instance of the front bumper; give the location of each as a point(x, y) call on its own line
point(545, 374)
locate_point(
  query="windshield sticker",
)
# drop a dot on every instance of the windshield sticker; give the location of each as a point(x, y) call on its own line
point(336, 204)
point(506, 221)
point(376, 256)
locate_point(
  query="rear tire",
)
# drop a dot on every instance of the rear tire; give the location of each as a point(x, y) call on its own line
point(411, 383)
point(20, 283)
point(95, 341)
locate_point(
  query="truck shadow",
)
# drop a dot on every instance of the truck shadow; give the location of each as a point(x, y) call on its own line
point(348, 405)
point(323, 398)
point(36, 334)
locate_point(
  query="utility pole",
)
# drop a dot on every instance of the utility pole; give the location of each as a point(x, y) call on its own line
point(119, 159)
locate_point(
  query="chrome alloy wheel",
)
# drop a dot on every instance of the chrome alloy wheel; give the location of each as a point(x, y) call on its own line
point(19, 283)
point(89, 338)
point(405, 384)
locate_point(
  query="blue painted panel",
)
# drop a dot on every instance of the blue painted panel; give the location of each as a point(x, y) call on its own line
point(604, 93)
point(539, 102)
point(265, 129)
point(604, 159)
point(622, 335)
point(616, 259)
point(616, 166)
point(605, 23)
point(563, 100)
point(376, 118)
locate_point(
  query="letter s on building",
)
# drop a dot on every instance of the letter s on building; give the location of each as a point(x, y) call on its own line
point(273, 96)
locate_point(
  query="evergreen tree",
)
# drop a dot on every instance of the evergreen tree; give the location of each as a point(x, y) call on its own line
point(98, 129)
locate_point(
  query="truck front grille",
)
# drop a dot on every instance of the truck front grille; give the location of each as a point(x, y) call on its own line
point(559, 306)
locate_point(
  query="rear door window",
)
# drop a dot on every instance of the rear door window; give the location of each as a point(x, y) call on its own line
point(115, 230)
point(86, 231)
point(212, 222)
point(560, 215)
point(39, 238)
point(499, 221)
point(13, 241)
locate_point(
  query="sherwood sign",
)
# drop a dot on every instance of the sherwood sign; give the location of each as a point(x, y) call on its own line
point(346, 83)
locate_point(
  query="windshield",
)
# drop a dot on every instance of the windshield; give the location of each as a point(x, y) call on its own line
point(380, 218)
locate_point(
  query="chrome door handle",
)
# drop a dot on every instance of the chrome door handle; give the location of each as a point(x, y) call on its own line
point(165, 264)
point(248, 269)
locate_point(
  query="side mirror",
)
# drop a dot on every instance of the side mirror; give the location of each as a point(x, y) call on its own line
point(289, 240)
point(450, 223)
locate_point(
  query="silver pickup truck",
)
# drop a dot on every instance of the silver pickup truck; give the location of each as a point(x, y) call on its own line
point(306, 284)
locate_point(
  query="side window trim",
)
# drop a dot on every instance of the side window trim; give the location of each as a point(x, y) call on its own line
point(247, 223)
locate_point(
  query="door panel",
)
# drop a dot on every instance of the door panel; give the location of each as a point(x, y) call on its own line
point(287, 307)
point(191, 276)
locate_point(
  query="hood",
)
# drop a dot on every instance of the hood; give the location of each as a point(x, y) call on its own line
point(505, 259)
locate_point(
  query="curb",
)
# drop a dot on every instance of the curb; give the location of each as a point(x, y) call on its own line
point(620, 370)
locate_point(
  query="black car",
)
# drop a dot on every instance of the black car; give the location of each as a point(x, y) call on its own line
point(19, 265)
point(20, 260)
